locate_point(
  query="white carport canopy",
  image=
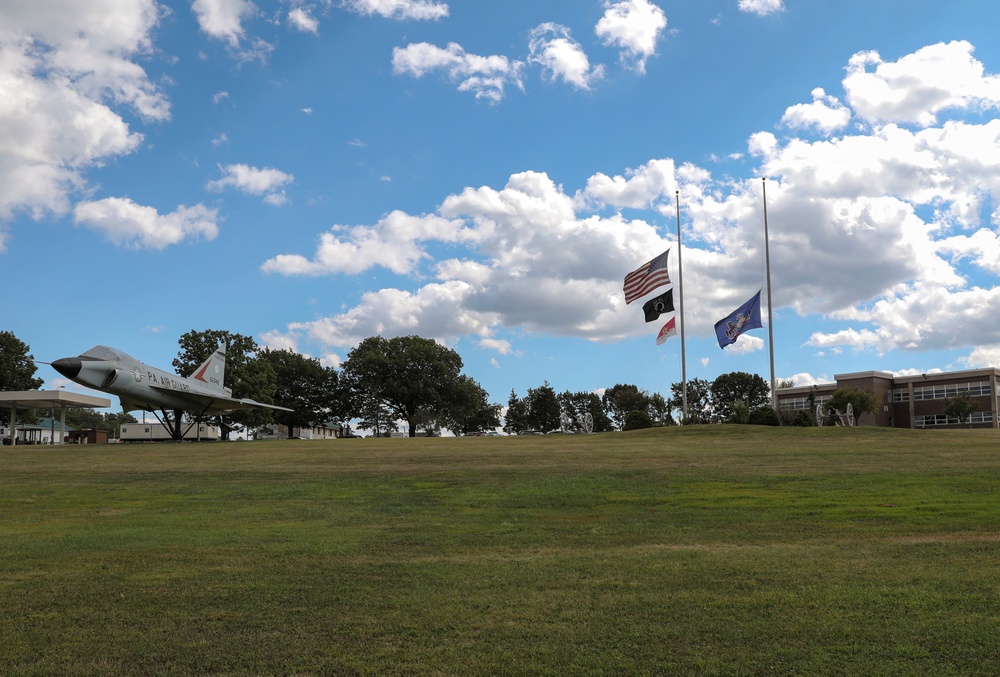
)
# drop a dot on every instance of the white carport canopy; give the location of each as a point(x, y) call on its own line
point(47, 399)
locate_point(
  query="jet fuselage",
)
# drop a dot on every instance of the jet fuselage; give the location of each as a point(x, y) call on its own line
point(141, 386)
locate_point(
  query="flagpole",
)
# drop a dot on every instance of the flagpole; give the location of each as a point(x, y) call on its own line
point(680, 300)
point(770, 312)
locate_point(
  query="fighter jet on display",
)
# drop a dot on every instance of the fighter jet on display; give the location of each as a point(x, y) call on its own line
point(140, 386)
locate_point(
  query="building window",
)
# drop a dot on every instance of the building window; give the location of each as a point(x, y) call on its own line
point(947, 391)
point(930, 420)
point(802, 403)
point(901, 395)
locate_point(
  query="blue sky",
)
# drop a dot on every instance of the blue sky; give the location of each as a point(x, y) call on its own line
point(314, 173)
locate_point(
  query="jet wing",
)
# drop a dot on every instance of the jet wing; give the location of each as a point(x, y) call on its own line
point(254, 404)
point(216, 404)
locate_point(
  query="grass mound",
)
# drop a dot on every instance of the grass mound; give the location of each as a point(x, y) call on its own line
point(707, 550)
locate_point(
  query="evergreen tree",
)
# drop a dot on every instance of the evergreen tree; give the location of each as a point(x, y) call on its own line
point(543, 408)
point(516, 418)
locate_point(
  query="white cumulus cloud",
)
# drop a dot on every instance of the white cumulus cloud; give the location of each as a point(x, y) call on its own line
point(634, 26)
point(65, 69)
point(826, 113)
point(137, 226)
point(561, 57)
point(641, 187)
point(485, 76)
point(919, 86)
point(888, 234)
point(223, 19)
point(254, 181)
point(400, 9)
point(762, 7)
point(536, 252)
point(983, 356)
point(301, 19)
point(393, 243)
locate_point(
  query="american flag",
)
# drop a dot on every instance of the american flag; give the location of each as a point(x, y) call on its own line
point(646, 278)
point(668, 330)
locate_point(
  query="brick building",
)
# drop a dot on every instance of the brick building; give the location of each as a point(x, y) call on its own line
point(908, 401)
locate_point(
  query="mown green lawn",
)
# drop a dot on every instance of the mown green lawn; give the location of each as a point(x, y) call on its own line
point(703, 550)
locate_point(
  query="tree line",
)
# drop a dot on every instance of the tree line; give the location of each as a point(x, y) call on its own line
point(420, 382)
point(381, 382)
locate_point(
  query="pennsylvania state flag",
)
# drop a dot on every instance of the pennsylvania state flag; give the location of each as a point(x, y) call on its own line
point(747, 316)
point(664, 303)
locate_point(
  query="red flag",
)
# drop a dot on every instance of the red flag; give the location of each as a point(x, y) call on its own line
point(666, 332)
point(646, 278)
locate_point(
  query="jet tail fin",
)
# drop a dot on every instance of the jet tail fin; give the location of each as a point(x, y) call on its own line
point(213, 370)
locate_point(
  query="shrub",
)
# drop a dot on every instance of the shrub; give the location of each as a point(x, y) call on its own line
point(765, 415)
point(741, 412)
point(637, 419)
point(804, 419)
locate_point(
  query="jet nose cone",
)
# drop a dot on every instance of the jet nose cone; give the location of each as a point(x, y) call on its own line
point(68, 366)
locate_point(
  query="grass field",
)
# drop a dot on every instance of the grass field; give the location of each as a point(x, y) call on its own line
point(735, 550)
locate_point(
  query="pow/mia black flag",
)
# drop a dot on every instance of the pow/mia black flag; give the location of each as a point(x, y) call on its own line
point(664, 303)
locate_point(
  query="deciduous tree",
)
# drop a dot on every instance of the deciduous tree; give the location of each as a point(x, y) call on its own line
point(471, 410)
point(961, 407)
point(659, 410)
point(578, 405)
point(303, 385)
point(246, 375)
point(17, 366)
point(622, 399)
point(699, 400)
point(730, 388)
point(413, 378)
point(861, 401)
point(85, 418)
point(17, 370)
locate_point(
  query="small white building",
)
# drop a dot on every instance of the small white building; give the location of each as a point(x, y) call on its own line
point(157, 432)
point(321, 431)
